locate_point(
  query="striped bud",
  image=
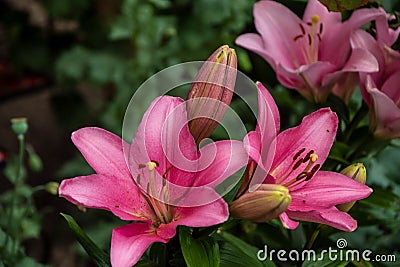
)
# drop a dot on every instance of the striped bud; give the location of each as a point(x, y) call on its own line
point(263, 204)
point(211, 92)
point(356, 172)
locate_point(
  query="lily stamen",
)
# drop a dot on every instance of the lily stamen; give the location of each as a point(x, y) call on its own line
point(305, 174)
point(160, 209)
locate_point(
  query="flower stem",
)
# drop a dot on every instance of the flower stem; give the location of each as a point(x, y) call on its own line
point(358, 117)
point(17, 181)
point(313, 237)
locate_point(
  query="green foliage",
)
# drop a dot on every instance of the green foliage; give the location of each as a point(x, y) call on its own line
point(203, 251)
point(99, 257)
point(236, 252)
point(342, 5)
point(20, 220)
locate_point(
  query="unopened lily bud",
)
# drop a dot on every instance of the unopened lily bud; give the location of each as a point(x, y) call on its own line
point(263, 204)
point(19, 126)
point(358, 173)
point(211, 92)
point(52, 188)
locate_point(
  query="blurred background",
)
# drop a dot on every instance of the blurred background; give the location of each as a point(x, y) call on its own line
point(69, 64)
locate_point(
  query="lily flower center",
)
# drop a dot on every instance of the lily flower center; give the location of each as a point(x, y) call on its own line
point(311, 33)
point(301, 169)
point(157, 199)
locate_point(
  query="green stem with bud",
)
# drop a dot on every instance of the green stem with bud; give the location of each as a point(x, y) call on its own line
point(17, 181)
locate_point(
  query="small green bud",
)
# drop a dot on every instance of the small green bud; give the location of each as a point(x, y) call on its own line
point(263, 204)
point(35, 162)
point(358, 173)
point(52, 188)
point(19, 125)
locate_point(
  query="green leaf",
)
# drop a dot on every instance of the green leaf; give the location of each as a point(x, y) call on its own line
point(99, 257)
point(323, 260)
point(248, 253)
point(27, 261)
point(230, 256)
point(342, 5)
point(198, 252)
point(382, 198)
point(158, 254)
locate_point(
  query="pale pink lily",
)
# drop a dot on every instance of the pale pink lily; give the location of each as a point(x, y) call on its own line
point(138, 191)
point(299, 154)
point(381, 90)
point(312, 55)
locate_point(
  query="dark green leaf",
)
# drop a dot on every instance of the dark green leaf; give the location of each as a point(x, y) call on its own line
point(342, 5)
point(230, 256)
point(99, 257)
point(382, 198)
point(27, 261)
point(158, 254)
point(248, 253)
point(198, 252)
point(323, 260)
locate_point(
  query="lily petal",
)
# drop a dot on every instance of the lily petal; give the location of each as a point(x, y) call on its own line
point(327, 189)
point(344, 82)
point(287, 222)
point(163, 137)
point(328, 18)
point(274, 19)
point(329, 216)
point(268, 113)
point(228, 156)
point(129, 242)
point(202, 216)
point(385, 34)
point(255, 43)
point(253, 145)
point(122, 196)
point(309, 76)
point(103, 151)
point(361, 60)
point(391, 87)
point(316, 132)
point(332, 43)
point(387, 115)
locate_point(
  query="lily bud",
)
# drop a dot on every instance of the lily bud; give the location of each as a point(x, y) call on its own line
point(211, 92)
point(356, 172)
point(52, 188)
point(263, 204)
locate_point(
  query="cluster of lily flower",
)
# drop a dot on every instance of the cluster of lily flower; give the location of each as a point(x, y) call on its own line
point(163, 179)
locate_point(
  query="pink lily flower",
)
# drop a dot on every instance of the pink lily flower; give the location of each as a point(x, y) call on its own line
point(299, 154)
point(381, 90)
point(142, 182)
point(312, 55)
